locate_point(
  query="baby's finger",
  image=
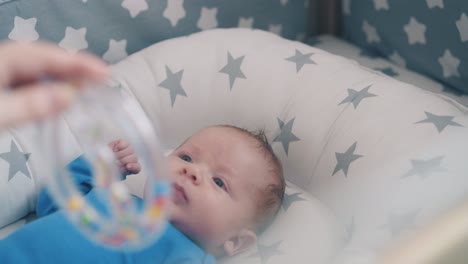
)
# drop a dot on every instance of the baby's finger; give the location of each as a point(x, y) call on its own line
point(133, 168)
point(121, 144)
point(113, 144)
point(124, 153)
point(129, 159)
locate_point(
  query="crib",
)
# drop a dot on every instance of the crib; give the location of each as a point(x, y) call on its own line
point(369, 120)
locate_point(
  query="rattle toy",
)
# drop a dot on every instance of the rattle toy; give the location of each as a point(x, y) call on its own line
point(98, 116)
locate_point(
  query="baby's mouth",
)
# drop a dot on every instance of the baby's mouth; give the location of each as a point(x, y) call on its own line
point(178, 194)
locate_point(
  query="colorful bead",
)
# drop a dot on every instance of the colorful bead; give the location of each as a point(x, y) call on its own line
point(75, 203)
point(129, 234)
point(159, 202)
point(85, 219)
point(154, 213)
point(102, 176)
point(162, 189)
point(119, 192)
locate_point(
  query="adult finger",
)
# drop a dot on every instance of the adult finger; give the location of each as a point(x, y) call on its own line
point(34, 102)
point(21, 62)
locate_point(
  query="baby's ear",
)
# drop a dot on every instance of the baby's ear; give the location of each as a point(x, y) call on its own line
point(242, 241)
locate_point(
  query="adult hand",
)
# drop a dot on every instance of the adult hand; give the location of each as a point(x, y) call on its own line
point(23, 69)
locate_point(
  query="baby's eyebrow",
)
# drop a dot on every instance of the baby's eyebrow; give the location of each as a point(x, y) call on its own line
point(190, 146)
point(194, 149)
point(225, 170)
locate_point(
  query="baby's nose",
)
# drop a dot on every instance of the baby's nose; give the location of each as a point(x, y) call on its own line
point(194, 173)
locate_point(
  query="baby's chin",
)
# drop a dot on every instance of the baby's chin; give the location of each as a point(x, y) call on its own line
point(190, 230)
point(184, 229)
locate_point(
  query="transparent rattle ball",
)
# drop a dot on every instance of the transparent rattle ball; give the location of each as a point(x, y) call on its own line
point(113, 217)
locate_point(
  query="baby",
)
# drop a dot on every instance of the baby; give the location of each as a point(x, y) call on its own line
point(227, 187)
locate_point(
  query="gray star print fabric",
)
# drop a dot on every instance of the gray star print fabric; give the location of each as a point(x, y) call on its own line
point(24, 167)
point(392, 67)
point(428, 36)
point(383, 156)
point(374, 158)
point(113, 29)
point(16, 183)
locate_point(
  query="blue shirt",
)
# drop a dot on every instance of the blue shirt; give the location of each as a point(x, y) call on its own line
point(53, 239)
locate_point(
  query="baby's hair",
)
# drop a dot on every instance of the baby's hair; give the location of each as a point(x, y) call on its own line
point(271, 197)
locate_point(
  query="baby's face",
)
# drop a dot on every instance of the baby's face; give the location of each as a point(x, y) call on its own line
point(217, 175)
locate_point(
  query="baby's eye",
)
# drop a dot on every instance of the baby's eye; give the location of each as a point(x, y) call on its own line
point(219, 182)
point(186, 158)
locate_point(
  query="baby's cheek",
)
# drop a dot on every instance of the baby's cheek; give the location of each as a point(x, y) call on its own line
point(172, 165)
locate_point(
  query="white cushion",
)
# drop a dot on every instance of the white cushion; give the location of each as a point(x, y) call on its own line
point(24, 167)
point(383, 155)
point(17, 183)
point(303, 230)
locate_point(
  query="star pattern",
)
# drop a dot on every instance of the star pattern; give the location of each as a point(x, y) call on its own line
point(117, 51)
point(266, 252)
point(246, 22)
point(397, 223)
point(173, 84)
point(462, 26)
point(397, 59)
point(435, 3)
point(301, 59)
point(449, 64)
point(371, 32)
point(424, 168)
point(381, 4)
point(135, 7)
point(356, 97)
point(343, 160)
point(24, 30)
point(286, 135)
point(233, 69)
point(174, 11)
point(74, 40)
point(17, 161)
point(422, 43)
point(208, 18)
point(415, 31)
point(275, 29)
point(291, 198)
point(440, 122)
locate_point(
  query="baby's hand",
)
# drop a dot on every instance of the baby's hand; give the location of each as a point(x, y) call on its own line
point(127, 159)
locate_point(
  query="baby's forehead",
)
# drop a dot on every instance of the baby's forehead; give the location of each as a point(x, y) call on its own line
point(216, 134)
point(225, 140)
